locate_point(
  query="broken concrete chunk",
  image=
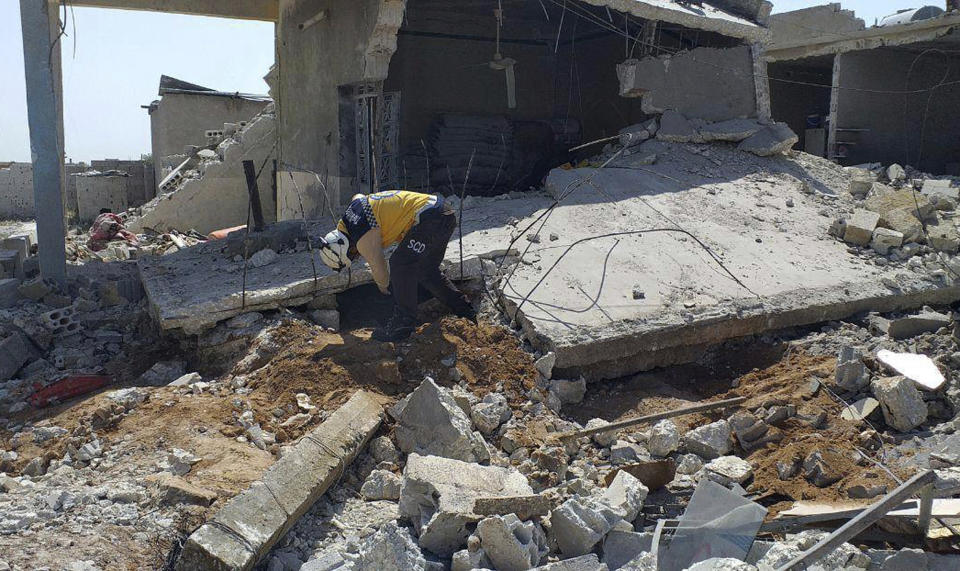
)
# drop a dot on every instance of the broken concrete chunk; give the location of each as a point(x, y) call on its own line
point(885, 239)
point(264, 257)
point(128, 398)
point(432, 423)
point(627, 494)
point(391, 547)
point(747, 427)
point(676, 128)
point(326, 318)
point(381, 485)
point(861, 186)
point(771, 140)
point(902, 404)
point(605, 439)
point(710, 440)
point(510, 544)
point(16, 351)
point(733, 130)
point(490, 413)
point(664, 438)
point(524, 507)
point(438, 495)
point(859, 228)
point(895, 173)
point(163, 373)
point(860, 410)
point(580, 523)
point(545, 364)
point(913, 325)
point(851, 374)
point(173, 490)
point(727, 470)
point(382, 449)
point(569, 392)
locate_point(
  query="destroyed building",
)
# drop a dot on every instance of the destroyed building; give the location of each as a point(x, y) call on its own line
point(696, 347)
point(891, 84)
point(190, 115)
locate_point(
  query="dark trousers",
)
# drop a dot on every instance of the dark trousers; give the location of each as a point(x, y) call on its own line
point(417, 259)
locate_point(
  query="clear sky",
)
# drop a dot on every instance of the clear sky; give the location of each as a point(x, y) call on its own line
point(120, 56)
point(113, 62)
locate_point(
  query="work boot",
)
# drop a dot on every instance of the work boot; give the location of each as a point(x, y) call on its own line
point(398, 328)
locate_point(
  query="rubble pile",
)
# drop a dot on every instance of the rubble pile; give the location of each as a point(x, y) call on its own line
point(906, 219)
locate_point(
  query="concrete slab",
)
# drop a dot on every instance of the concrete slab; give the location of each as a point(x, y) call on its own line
point(196, 288)
point(250, 524)
point(765, 218)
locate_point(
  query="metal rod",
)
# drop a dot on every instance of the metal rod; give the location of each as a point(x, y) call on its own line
point(653, 417)
point(249, 170)
point(867, 518)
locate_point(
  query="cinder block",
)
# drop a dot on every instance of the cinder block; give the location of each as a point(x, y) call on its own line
point(884, 239)
point(62, 322)
point(860, 227)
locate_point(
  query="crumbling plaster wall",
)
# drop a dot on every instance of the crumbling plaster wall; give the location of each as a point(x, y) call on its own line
point(140, 182)
point(896, 122)
point(181, 119)
point(100, 191)
point(353, 43)
point(708, 83)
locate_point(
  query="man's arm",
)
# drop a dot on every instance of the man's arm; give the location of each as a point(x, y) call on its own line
point(369, 246)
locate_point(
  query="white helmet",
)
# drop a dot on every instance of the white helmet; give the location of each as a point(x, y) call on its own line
point(333, 250)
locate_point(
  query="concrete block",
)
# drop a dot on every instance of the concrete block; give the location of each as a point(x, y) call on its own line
point(11, 264)
point(620, 547)
point(884, 239)
point(710, 440)
point(676, 128)
point(433, 424)
point(580, 523)
point(262, 514)
point(664, 438)
point(391, 547)
point(9, 293)
point(15, 351)
point(861, 186)
point(510, 544)
point(605, 439)
point(62, 322)
point(326, 318)
point(524, 507)
point(438, 496)
point(772, 140)
point(583, 563)
point(733, 130)
point(727, 470)
point(851, 374)
point(944, 237)
point(173, 490)
point(381, 485)
point(490, 413)
point(860, 227)
point(722, 564)
point(913, 325)
point(627, 494)
point(933, 187)
point(902, 404)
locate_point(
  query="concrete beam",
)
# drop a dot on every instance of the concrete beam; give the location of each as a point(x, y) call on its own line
point(41, 59)
point(265, 10)
point(248, 526)
point(707, 18)
point(923, 31)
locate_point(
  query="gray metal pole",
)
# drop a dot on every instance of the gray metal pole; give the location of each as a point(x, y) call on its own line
point(41, 60)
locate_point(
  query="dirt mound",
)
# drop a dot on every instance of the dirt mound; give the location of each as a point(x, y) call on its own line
point(330, 367)
point(789, 382)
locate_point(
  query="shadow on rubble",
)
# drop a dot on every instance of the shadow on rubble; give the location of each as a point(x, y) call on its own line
point(673, 387)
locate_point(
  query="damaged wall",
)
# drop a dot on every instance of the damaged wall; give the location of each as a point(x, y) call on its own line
point(219, 198)
point(708, 83)
point(181, 119)
point(792, 103)
point(895, 122)
point(16, 191)
point(827, 22)
point(352, 43)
